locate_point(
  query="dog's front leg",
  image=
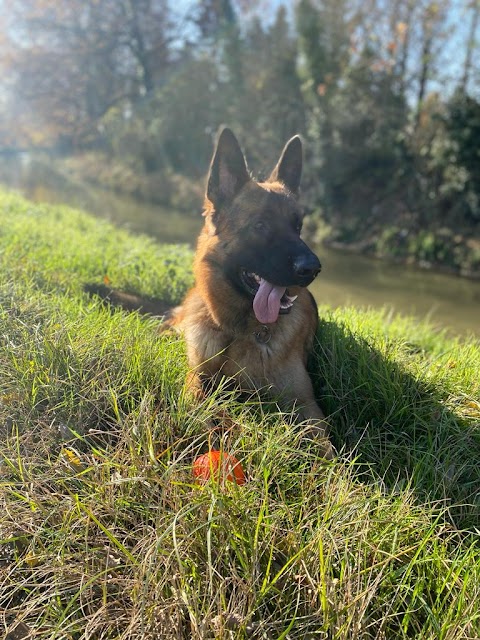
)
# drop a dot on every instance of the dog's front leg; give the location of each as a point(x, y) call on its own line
point(297, 391)
point(310, 413)
point(201, 382)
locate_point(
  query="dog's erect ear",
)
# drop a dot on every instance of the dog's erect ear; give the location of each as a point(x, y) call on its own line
point(289, 167)
point(228, 171)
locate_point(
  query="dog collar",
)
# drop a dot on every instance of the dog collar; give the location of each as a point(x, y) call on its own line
point(263, 335)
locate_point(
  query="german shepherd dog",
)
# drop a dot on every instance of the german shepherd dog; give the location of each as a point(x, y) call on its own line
point(249, 316)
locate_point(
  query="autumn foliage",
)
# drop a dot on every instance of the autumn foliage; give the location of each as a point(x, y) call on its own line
point(385, 94)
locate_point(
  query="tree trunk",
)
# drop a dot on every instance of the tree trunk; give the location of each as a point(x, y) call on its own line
point(470, 46)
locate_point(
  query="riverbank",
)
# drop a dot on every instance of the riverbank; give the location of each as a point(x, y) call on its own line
point(164, 188)
point(104, 532)
point(437, 250)
point(369, 250)
point(347, 278)
point(399, 239)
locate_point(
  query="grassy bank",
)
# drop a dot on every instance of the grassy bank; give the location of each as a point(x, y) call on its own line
point(104, 534)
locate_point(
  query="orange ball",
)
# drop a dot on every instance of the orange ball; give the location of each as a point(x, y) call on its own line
point(214, 463)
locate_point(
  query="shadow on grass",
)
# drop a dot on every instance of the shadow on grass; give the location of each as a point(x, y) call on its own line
point(127, 301)
point(398, 425)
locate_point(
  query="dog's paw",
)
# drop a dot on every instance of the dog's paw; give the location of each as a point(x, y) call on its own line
point(315, 435)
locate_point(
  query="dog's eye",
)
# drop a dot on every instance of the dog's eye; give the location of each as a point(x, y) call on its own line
point(260, 225)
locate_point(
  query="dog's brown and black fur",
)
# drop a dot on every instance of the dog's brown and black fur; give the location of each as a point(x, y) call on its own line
point(252, 236)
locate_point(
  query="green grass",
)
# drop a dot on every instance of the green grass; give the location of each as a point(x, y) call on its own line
point(104, 534)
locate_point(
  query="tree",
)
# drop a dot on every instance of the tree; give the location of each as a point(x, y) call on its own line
point(270, 109)
point(101, 51)
point(432, 22)
point(463, 126)
point(471, 44)
point(324, 42)
point(145, 31)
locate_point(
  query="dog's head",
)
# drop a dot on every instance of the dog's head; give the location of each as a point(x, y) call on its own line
point(258, 227)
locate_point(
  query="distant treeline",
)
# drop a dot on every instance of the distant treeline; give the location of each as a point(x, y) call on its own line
point(385, 94)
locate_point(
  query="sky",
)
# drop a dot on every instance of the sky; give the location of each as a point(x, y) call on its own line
point(449, 61)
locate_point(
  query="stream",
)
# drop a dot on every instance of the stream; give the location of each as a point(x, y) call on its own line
point(346, 279)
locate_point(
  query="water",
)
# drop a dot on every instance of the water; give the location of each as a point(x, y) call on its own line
point(346, 279)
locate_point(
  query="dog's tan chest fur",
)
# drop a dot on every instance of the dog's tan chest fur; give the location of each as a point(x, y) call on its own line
point(253, 353)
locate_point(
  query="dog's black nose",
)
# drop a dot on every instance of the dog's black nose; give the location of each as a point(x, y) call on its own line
point(306, 266)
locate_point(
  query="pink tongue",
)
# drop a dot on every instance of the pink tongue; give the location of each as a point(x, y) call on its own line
point(266, 304)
